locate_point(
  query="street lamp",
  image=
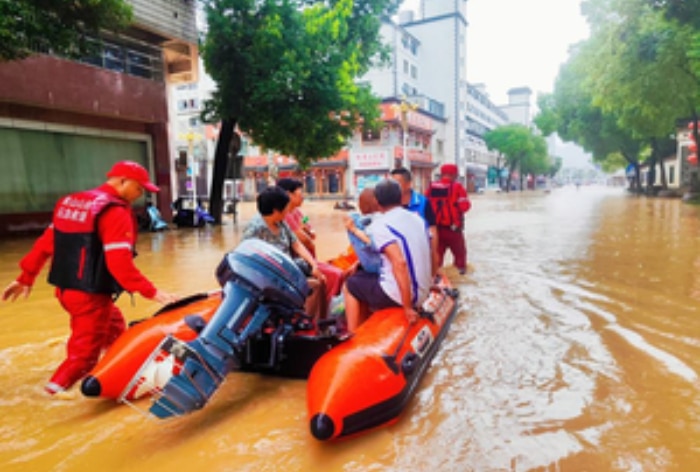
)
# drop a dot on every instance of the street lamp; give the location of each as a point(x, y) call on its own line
point(192, 170)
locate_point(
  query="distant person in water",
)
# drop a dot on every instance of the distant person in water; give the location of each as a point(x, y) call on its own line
point(450, 203)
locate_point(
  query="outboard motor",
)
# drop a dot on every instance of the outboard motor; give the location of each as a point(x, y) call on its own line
point(256, 277)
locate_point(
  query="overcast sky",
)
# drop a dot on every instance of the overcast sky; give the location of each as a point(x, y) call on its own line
point(514, 43)
point(518, 43)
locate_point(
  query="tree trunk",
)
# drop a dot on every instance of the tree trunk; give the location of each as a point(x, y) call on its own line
point(660, 160)
point(498, 166)
point(221, 158)
point(638, 178)
point(520, 178)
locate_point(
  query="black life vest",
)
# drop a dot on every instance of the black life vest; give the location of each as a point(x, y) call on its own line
point(78, 258)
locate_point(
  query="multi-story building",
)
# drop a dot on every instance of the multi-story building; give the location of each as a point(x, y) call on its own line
point(429, 63)
point(518, 107)
point(441, 31)
point(63, 123)
point(483, 116)
point(430, 114)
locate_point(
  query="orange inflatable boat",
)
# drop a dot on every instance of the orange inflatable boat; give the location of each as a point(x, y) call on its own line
point(271, 335)
point(367, 381)
point(256, 323)
point(115, 376)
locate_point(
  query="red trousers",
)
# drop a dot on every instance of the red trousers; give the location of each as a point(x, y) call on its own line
point(454, 241)
point(95, 324)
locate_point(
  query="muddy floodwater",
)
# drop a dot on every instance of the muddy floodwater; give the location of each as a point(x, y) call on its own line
point(576, 348)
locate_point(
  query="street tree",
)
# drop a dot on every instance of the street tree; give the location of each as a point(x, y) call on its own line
point(683, 11)
point(61, 27)
point(638, 50)
point(285, 73)
point(571, 113)
point(522, 150)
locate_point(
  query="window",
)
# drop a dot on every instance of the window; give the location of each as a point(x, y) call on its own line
point(440, 147)
point(405, 66)
point(370, 135)
point(113, 58)
point(127, 56)
point(138, 64)
point(671, 174)
point(188, 104)
point(414, 72)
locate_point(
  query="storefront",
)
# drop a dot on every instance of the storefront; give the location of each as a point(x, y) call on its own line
point(476, 177)
point(370, 165)
point(323, 179)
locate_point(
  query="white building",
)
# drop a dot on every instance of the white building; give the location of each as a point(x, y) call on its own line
point(518, 108)
point(192, 142)
point(482, 116)
point(428, 68)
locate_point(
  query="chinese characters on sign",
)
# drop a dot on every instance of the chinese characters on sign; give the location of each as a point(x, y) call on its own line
point(377, 159)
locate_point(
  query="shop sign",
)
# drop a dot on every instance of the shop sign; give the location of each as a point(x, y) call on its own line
point(375, 159)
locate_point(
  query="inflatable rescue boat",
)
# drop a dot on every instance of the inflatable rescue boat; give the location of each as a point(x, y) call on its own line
point(367, 381)
point(256, 322)
point(119, 373)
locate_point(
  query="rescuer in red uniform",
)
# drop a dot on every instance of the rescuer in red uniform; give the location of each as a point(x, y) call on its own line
point(91, 242)
point(450, 203)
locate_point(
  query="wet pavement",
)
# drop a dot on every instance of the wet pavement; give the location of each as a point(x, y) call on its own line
point(576, 348)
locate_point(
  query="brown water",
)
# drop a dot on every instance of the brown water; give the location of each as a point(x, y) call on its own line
point(577, 348)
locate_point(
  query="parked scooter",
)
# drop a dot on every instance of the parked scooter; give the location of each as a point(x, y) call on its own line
point(190, 216)
point(155, 220)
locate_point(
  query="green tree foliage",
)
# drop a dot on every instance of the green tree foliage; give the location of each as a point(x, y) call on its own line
point(569, 111)
point(555, 166)
point(683, 11)
point(62, 27)
point(623, 89)
point(523, 151)
point(285, 72)
point(637, 50)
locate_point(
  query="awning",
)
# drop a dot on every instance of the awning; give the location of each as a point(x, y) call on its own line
point(478, 170)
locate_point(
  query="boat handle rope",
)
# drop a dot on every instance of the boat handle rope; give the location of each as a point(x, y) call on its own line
point(390, 360)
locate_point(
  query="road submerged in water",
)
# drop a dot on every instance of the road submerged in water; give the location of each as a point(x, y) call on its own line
point(576, 348)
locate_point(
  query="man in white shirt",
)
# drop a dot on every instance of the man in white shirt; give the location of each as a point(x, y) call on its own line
point(404, 276)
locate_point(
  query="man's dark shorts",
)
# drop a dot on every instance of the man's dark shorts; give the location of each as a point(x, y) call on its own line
point(365, 287)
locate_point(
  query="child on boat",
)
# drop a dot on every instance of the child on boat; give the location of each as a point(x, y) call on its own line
point(356, 224)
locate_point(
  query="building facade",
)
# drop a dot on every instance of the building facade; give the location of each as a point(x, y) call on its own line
point(483, 165)
point(441, 71)
point(518, 109)
point(63, 123)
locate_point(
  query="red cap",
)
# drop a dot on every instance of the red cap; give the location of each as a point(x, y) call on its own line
point(449, 169)
point(134, 171)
